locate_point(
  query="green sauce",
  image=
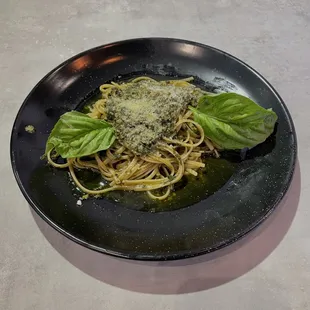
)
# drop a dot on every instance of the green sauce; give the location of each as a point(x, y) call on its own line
point(188, 191)
point(30, 129)
point(143, 113)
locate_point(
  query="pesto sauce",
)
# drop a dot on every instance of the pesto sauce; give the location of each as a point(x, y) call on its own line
point(142, 113)
point(188, 191)
point(30, 129)
point(88, 103)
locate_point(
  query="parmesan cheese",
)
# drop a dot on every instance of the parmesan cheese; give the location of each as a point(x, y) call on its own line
point(144, 112)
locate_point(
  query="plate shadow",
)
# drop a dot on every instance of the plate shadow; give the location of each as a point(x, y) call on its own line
point(188, 275)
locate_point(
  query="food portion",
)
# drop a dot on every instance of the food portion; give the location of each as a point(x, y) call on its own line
point(144, 112)
point(145, 135)
point(30, 129)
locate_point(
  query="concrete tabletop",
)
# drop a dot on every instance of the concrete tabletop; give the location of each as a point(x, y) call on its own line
point(40, 269)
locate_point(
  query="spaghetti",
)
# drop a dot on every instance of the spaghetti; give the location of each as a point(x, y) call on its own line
point(155, 172)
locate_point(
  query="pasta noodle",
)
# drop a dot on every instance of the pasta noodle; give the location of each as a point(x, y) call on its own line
point(155, 173)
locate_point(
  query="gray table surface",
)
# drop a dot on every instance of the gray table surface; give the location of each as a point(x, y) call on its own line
point(40, 269)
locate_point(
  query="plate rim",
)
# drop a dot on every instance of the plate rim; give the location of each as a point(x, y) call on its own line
point(155, 257)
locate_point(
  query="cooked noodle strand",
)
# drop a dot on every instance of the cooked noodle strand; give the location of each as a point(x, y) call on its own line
point(175, 156)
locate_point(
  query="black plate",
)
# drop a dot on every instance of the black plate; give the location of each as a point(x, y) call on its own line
point(242, 203)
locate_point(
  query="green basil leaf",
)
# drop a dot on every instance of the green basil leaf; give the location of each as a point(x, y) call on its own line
point(76, 134)
point(233, 121)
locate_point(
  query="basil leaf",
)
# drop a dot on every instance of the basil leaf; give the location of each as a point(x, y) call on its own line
point(76, 134)
point(233, 121)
